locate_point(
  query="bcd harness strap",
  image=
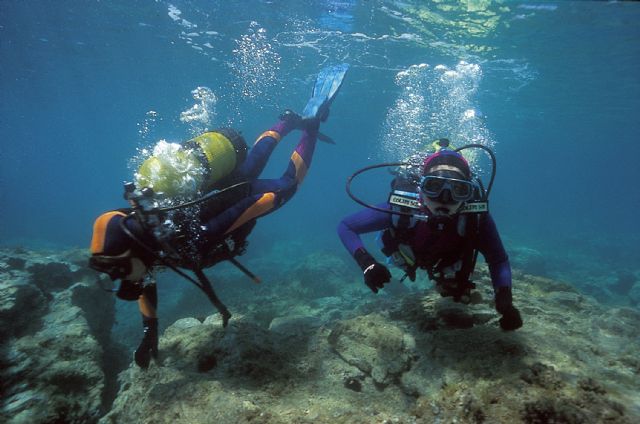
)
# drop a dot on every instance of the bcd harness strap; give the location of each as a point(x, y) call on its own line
point(452, 279)
point(451, 273)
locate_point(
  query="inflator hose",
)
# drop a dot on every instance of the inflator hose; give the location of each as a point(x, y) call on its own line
point(388, 164)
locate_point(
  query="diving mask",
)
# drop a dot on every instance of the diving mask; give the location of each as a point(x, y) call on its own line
point(117, 267)
point(432, 187)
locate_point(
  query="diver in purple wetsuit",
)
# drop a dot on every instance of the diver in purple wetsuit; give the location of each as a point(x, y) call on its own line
point(128, 244)
point(436, 227)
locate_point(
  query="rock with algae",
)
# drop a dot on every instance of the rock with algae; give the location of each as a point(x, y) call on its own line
point(407, 358)
point(375, 346)
point(51, 361)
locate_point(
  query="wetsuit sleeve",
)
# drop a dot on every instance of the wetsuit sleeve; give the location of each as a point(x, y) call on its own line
point(365, 221)
point(491, 247)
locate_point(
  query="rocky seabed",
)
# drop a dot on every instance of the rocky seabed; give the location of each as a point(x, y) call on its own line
point(316, 348)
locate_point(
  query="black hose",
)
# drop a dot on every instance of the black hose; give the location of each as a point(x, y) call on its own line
point(388, 164)
point(205, 286)
point(493, 160)
point(376, 208)
point(204, 198)
point(244, 269)
point(113, 290)
point(203, 283)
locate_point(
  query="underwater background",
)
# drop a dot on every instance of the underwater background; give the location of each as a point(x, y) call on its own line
point(552, 87)
point(86, 84)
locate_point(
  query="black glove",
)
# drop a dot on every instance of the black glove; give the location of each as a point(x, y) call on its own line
point(375, 274)
point(411, 273)
point(149, 346)
point(129, 290)
point(511, 319)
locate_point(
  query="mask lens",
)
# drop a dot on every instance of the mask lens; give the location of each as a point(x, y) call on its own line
point(432, 186)
point(461, 190)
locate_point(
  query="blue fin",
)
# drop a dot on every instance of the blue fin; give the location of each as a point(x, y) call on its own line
point(326, 88)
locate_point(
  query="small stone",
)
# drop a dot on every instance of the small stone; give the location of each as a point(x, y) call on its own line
point(354, 384)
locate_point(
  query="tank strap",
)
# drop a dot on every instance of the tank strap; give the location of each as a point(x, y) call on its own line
point(470, 253)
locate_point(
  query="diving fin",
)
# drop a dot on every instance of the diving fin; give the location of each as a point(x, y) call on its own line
point(325, 138)
point(326, 88)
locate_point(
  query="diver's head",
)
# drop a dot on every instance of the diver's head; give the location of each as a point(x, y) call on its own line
point(445, 183)
point(113, 251)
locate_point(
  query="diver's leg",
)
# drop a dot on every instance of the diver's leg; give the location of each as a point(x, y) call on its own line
point(268, 195)
point(262, 149)
point(148, 304)
point(296, 170)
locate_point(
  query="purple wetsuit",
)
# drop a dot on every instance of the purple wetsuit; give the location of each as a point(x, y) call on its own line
point(428, 243)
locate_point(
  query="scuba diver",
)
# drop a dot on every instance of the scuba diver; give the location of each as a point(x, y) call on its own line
point(130, 244)
point(436, 219)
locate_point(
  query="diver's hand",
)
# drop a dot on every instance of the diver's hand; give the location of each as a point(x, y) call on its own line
point(149, 345)
point(376, 275)
point(411, 273)
point(511, 319)
point(129, 290)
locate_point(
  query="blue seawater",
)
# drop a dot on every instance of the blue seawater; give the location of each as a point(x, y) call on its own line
point(88, 88)
point(552, 87)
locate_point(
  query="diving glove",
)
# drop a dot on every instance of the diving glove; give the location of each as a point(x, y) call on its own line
point(149, 346)
point(376, 275)
point(129, 290)
point(511, 319)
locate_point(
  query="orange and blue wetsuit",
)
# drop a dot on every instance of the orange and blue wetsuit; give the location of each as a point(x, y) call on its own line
point(264, 197)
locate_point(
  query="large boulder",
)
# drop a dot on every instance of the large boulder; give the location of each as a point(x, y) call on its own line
point(55, 327)
point(406, 359)
point(207, 372)
point(22, 305)
point(54, 374)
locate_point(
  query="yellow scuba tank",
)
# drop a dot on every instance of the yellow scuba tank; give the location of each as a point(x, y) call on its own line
point(439, 144)
point(192, 167)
